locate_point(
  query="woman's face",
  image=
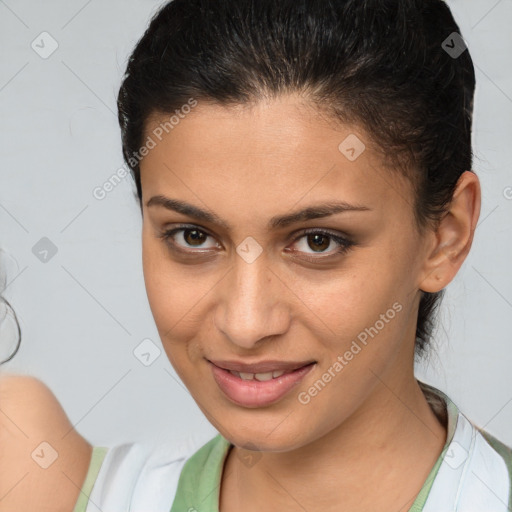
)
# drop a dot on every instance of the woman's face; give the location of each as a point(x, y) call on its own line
point(269, 276)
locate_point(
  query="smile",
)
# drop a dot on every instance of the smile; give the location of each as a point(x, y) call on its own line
point(258, 376)
point(258, 388)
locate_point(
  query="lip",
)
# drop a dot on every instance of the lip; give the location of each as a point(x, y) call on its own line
point(253, 393)
point(260, 367)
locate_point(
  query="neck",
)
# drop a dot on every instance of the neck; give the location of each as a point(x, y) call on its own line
point(381, 455)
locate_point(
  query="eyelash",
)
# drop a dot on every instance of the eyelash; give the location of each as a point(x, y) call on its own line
point(344, 243)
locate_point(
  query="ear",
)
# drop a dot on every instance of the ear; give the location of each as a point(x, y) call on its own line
point(451, 242)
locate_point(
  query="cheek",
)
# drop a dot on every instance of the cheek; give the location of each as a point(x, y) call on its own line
point(163, 297)
point(335, 306)
point(176, 293)
point(344, 302)
point(367, 312)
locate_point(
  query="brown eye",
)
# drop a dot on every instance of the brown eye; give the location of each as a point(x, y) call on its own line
point(194, 236)
point(318, 242)
point(185, 237)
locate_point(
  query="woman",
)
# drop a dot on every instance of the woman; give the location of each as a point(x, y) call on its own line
point(304, 175)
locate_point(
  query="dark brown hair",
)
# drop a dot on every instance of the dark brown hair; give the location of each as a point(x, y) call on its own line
point(378, 63)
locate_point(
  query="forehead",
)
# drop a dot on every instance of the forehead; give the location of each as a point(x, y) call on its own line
point(268, 154)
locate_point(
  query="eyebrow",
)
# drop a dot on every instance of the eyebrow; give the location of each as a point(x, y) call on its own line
point(311, 212)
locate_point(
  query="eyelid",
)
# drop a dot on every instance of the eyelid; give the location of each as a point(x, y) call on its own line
point(343, 240)
point(296, 234)
point(326, 231)
point(168, 233)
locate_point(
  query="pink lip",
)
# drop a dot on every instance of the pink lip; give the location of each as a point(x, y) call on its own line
point(253, 393)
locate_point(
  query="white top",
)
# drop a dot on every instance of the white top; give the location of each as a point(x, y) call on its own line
point(472, 474)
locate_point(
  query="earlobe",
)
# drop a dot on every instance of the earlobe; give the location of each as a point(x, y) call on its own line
point(454, 235)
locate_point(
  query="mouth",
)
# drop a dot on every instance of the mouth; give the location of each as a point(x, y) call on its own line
point(258, 384)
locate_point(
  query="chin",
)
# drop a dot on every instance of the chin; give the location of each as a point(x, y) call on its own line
point(261, 441)
point(259, 430)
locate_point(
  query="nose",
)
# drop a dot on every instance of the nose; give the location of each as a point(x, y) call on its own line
point(252, 304)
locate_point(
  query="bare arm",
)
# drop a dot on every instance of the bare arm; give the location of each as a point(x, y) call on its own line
point(34, 475)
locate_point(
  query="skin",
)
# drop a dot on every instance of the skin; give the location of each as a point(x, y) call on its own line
point(369, 438)
point(30, 414)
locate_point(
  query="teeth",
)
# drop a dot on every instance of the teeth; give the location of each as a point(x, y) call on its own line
point(263, 376)
point(258, 376)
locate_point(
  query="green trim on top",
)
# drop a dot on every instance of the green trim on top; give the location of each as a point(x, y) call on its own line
point(453, 412)
point(199, 483)
point(97, 457)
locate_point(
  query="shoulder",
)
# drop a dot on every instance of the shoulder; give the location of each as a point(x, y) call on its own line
point(503, 451)
point(474, 470)
point(40, 451)
point(486, 465)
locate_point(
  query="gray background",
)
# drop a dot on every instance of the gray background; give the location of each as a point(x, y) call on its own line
point(84, 311)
